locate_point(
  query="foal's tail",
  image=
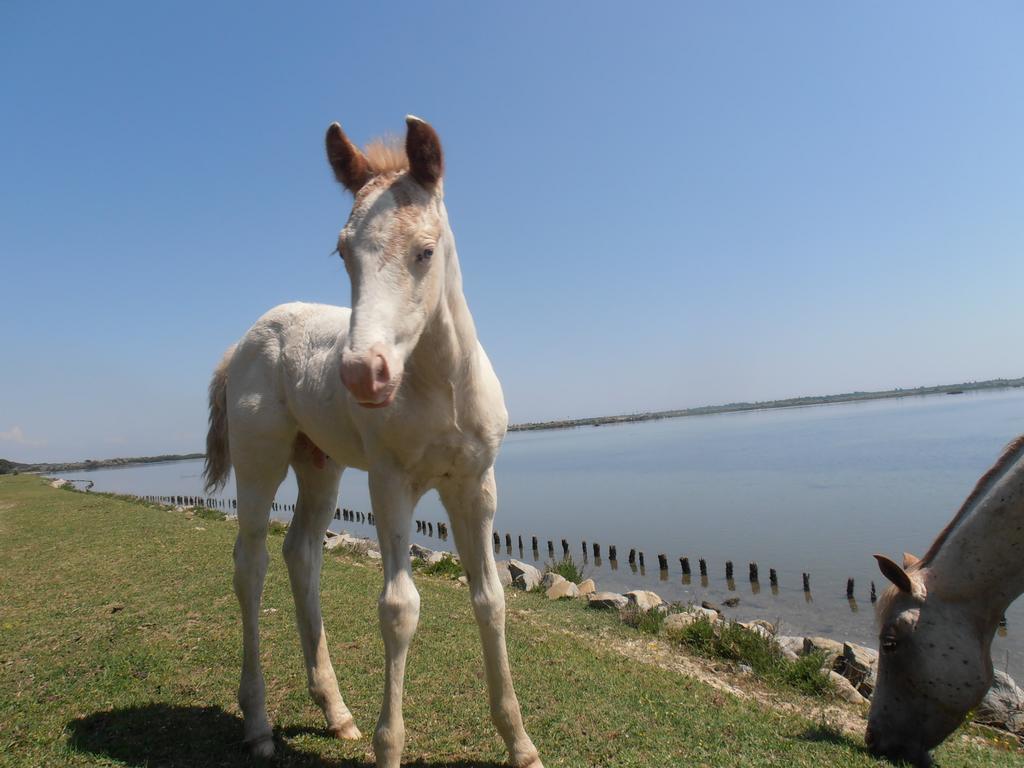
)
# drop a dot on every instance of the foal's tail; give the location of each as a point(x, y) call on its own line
point(218, 457)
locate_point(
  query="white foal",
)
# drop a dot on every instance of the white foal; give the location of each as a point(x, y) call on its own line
point(399, 387)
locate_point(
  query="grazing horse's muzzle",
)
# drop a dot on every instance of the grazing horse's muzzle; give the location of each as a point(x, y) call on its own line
point(916, 755)
point(369, 377)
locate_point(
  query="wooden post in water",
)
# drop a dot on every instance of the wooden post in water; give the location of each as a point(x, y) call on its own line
point(662, 562)
point(849, 589)
point(641, 559)
point(773, 578)
point(508, 540)
point(520, 537)
point(497, 540)
point(534, 543)
point(430, 529)
point(565, 548)
point(728, 570)
point(684, 563)
point(597, 550)
point(807, 582)
point(874, 596)
point(703, 565)
point(613, 553)
point(753, 572)
point(551, 549)
point(632, 556)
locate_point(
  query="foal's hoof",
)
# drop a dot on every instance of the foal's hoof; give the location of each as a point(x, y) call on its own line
point(261, 746)
point(535, 763)
point(346, 730)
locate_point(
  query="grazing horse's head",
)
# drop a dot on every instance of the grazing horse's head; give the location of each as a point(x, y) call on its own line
point(395, 245)
point(934, 664)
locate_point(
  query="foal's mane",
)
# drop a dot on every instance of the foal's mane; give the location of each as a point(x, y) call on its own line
point(1012, 452)
point(386, 155)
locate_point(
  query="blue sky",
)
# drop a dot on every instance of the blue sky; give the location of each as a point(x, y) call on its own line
point(656, 206)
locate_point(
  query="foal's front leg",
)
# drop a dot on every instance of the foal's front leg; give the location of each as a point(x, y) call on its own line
point(471, 506)
point(398, 607)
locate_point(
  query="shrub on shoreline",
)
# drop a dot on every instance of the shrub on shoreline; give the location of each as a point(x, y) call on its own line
point(732, 642)
point(566, 568)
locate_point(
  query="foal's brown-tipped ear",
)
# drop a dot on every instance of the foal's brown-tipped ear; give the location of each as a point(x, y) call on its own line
point(423, 148)
point(895, 574)
point(349, 164)
point(909, 560)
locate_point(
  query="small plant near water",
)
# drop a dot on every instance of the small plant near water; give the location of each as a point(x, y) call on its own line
point(732, 642)
point(205, 513)
point(446, 566)
point(566, 568)
point(650, 622)
point(277, 528)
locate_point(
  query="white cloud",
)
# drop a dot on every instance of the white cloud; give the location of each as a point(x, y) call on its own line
point(17, 435)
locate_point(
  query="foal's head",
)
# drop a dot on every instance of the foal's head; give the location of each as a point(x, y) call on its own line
point(934, 665)
point(395, 246)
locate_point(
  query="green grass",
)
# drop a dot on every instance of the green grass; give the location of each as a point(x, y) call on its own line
point(732, 642)
point(447, 566)
point(566, 568)
point(120, 646)
point(649, 622)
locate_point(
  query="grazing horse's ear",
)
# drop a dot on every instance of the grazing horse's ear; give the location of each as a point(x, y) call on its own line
point(895, 574)
point(349, 164)
point(909, 561)
point(423, 148)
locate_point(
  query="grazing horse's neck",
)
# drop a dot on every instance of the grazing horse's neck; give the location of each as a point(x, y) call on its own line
point(978, 558)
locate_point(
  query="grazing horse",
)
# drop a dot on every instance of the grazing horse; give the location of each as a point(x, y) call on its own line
point(938, 618)
point(400, 387)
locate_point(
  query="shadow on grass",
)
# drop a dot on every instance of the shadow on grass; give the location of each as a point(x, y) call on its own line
point(165, 736)
point(831, 735)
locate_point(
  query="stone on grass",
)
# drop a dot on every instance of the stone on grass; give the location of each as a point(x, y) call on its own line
point(606, 600)
point(524, 576)
point(644, 600)
point(792, 647)
point(844, 688)
point(859, 665)
point(504, 575)
point(373, 554)
point(832, 649)
point(1003, 705)
point(679, 621)
point(437, 557)
point(587, 586)
point(353, 543)
point(759, 627)
point(421, 553)
point(550, 579)
point(562, 589)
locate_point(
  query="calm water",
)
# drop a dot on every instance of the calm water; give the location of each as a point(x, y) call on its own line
point(816, 489)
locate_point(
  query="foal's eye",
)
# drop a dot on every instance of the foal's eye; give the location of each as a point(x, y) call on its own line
point(425, 254)
point(889, 643)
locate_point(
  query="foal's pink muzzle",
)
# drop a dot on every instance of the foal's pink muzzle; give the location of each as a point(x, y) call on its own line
point(368, 377)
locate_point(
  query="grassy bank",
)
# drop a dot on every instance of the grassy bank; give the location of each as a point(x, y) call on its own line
point(119, 645)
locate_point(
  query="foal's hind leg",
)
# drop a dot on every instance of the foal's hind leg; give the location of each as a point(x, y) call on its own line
point(257, 482)
point(303, 552)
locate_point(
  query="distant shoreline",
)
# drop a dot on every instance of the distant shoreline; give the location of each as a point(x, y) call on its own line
point(707, 410)
point(8, 467)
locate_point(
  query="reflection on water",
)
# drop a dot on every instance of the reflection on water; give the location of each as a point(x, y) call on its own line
point(808, 493)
